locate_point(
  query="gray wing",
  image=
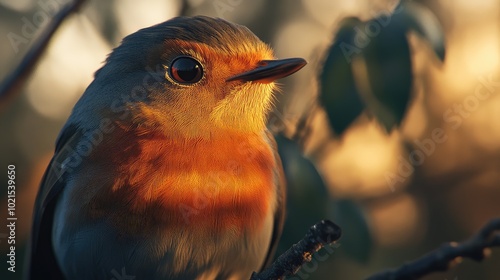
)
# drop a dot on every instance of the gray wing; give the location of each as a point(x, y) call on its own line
point(40, 259)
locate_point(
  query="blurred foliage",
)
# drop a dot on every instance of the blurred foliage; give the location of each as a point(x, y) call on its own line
point(356, 242)
point(383, 82)
point(305, 185)
point(340, 94)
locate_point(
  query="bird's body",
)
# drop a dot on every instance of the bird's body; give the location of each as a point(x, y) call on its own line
point(165, 169)
point(223, 202)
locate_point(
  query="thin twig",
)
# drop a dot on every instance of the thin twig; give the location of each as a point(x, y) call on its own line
point(18, 77)
point(318, 236)
point(448, 254)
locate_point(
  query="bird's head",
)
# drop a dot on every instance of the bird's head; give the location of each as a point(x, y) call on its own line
point(189, 77)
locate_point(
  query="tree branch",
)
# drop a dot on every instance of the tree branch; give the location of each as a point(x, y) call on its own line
point(319, 235)
point(18, 77)
point(441, 259)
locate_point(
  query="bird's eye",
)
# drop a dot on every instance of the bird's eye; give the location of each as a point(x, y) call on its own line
point(186, 70)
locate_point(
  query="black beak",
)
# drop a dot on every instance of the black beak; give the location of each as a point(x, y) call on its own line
point(268, 71)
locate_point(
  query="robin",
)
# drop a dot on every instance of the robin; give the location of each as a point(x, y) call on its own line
point(165, 168)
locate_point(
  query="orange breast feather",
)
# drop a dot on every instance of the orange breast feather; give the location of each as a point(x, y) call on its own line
point(145, 181)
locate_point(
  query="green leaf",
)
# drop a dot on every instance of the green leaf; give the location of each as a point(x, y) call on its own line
point(307, 197)
point(339, 94)
point(423, 21)
point(389, 69)
point(356, 242)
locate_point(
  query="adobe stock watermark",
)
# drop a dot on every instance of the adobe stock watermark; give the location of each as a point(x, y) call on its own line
point(31, 25)
point(278, 121)
point(454, 117)
point(121, 276)
point(310, 267)
point(82, 143)
point(223, 6)
point(370, 30)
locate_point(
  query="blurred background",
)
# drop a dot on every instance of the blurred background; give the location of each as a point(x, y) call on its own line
point(400, 178)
